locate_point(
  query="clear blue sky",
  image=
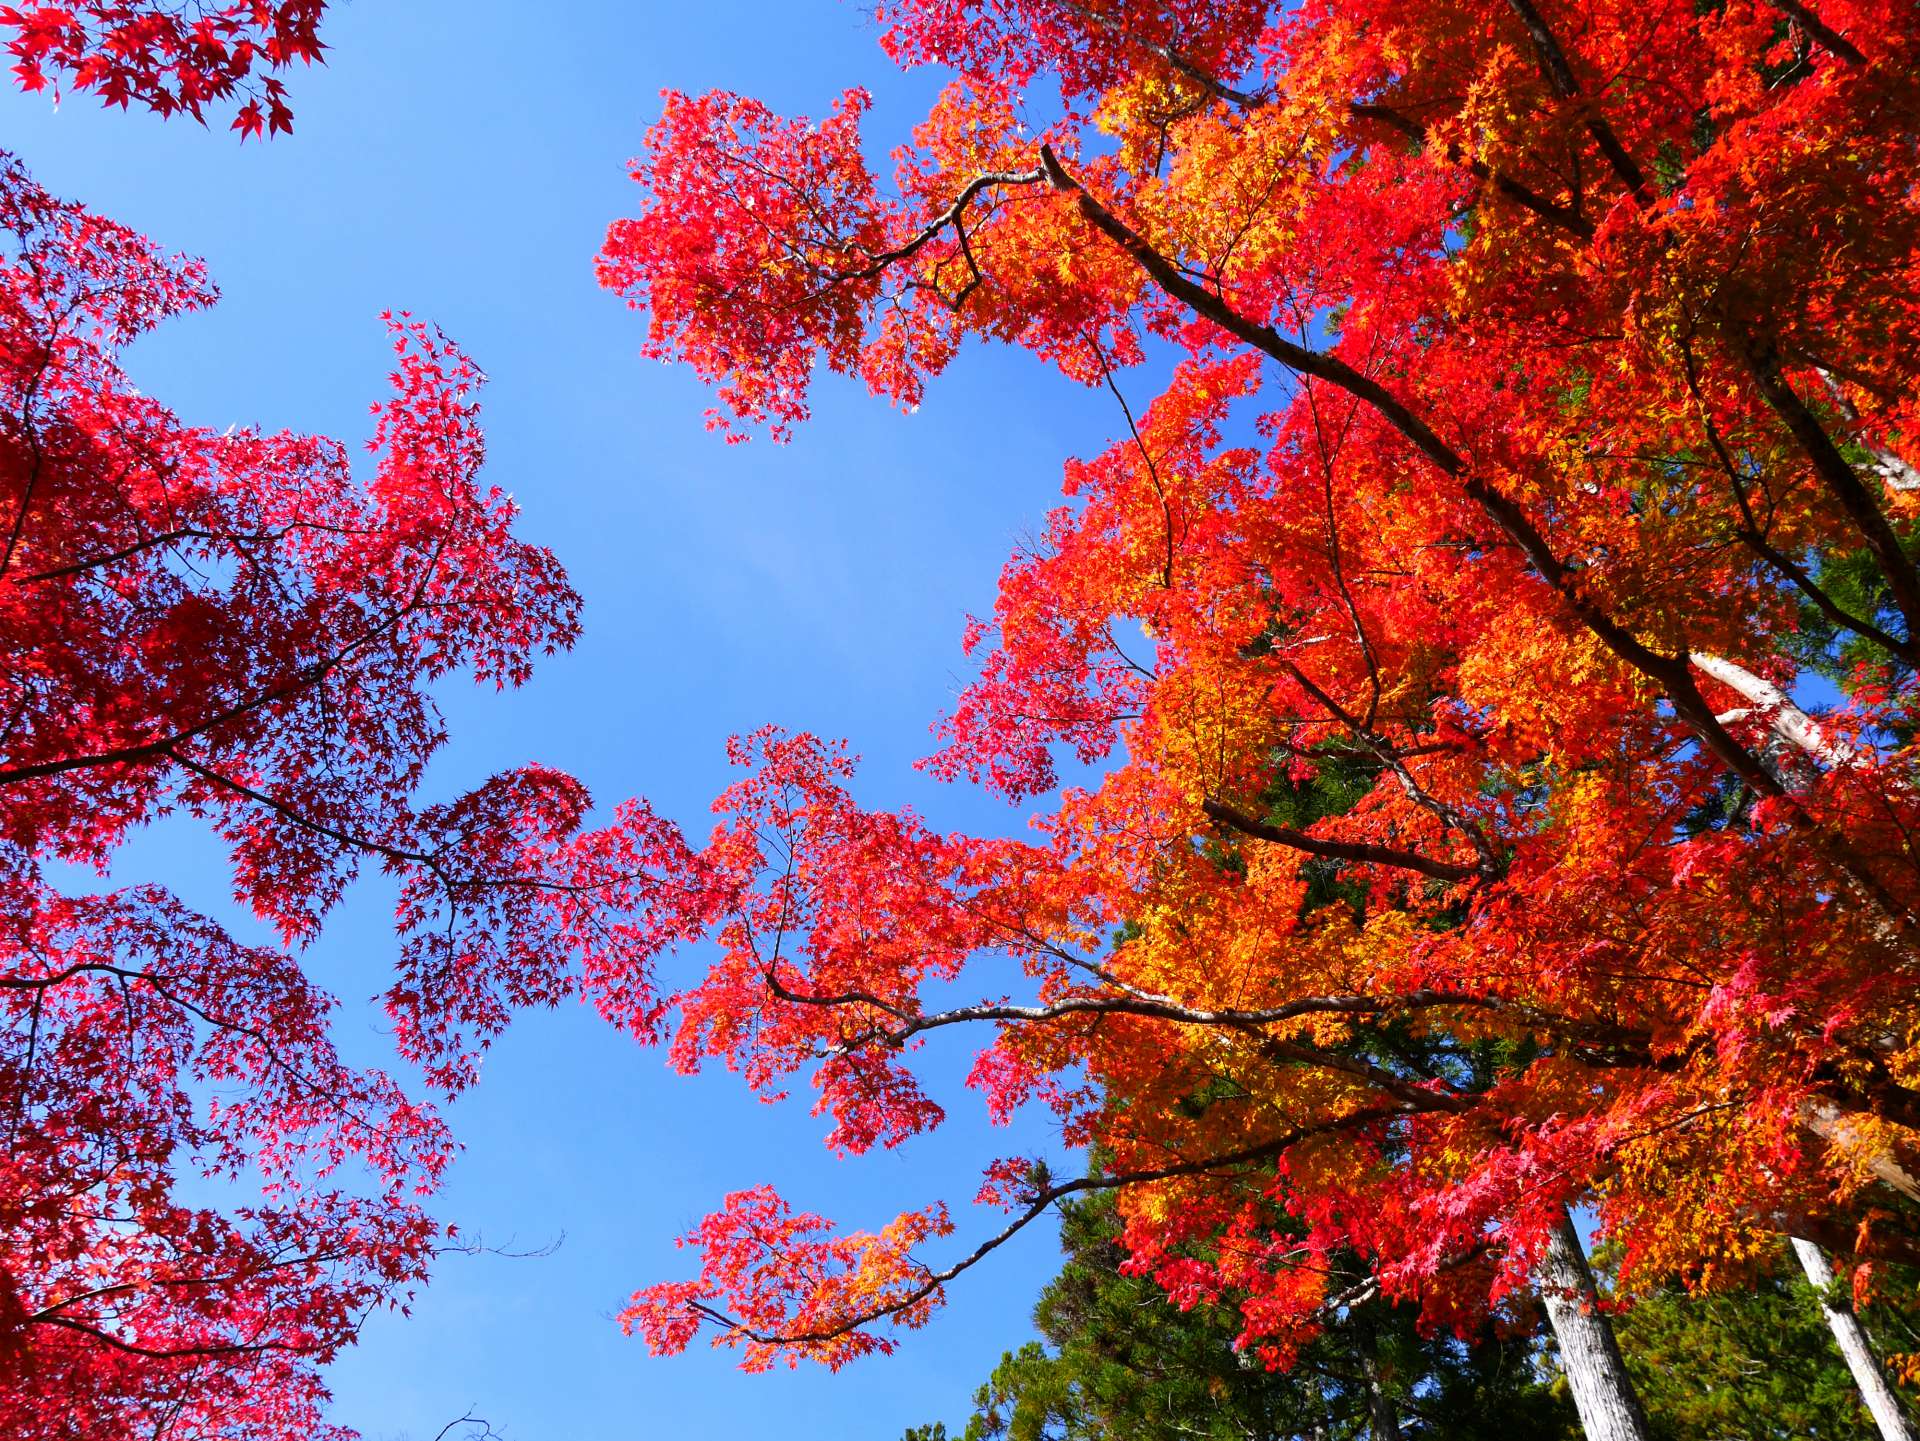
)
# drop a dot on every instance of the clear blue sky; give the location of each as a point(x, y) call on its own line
point(461, 158)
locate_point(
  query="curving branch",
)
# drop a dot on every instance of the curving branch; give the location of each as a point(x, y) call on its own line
point(1760, 358)
point(1566, 217)
point(1237, 820)
point(1395, 762)
point(1042, 1202)
point(175, 1353)
point(163, 987)
point(954, 215)
point(1180, 63)
point(304, 679)
point(1838, 477)
point(238, 541)
point(1670, 673)
point(1783, 717)
point(1560, 79)
point(1754, 536)
point(1146, 456)
point(469, 1420)
point(1615, 1044)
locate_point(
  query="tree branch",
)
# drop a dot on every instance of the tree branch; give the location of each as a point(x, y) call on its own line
point(1560, 79)
point(1567, 217)
point(1226, 815)
point(1835, 43)
point(1041, 1203)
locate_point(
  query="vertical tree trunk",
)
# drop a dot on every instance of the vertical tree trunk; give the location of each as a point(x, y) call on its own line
point(1383, 1416)
point(1319, 1432)
point(1792, 726)
point(1855, 1347)
point(1602, 1392)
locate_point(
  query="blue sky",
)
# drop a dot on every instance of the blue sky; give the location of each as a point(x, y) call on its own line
point(461, 159)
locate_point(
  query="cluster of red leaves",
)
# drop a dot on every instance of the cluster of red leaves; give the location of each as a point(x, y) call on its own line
point(801, 1277)
point(1472, 856)
point(174, 59)
point(783, 210)
point(200, 1202)
point(127, 1308)
point(1469, 855)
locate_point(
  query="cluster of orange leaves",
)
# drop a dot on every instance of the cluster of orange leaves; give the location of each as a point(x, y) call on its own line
point(1536, 449)
point(1542, 390)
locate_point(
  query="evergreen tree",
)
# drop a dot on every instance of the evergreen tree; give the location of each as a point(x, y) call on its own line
point(1120, 1362)
point(1756, 1364)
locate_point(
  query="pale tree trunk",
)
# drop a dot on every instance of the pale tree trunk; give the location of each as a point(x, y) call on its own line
point(1851, 1337)
point(1787, 721)
point(1602, 1392)
point(1793, 727)
point(1889, 467)
point(1832, 1125)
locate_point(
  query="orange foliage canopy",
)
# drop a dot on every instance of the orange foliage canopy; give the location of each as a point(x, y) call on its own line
point(1449, 626)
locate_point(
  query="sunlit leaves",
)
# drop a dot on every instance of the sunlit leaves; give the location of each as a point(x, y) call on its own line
point(173, 58)
point(202, 1200)
point(1456, 853)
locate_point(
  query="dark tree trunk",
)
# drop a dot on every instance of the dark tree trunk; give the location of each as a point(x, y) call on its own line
point(1383, 1417)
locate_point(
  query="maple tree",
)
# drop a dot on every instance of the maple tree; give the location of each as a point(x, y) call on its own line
point(1535, 470)
point(173, 58)
point(1542, 419)
point(200, 1200)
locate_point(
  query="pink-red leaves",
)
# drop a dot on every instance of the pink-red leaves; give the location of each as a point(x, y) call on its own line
point(238, 628)
point(173, 58)
point(750, 263)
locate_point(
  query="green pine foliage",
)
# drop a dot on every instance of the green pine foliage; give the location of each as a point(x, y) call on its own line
point(1116, 1361)
point(1756, 1364)
point(1119, 1362)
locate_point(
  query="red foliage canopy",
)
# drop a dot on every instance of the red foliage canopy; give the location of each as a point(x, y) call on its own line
point(199, 1201)
point(1469, 850)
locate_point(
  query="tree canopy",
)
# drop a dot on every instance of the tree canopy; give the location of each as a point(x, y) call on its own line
point(1540, 424)
point(1488, 640)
